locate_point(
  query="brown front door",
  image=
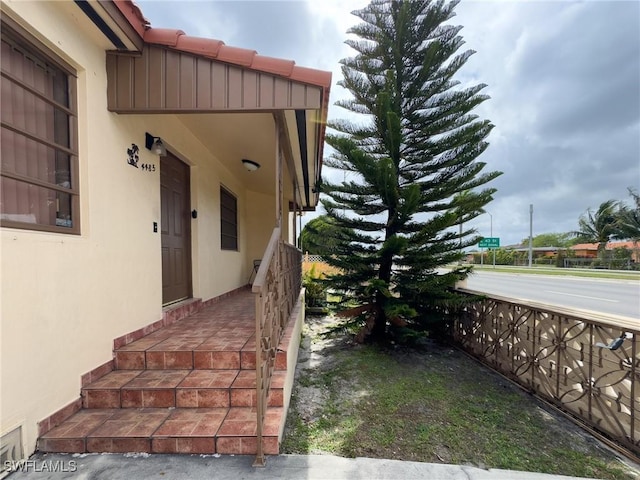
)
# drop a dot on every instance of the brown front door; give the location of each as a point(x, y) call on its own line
point(176, 229)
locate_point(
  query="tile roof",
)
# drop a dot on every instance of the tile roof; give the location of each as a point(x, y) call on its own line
point(584, 246)
point(218, 50)
point(610, 246)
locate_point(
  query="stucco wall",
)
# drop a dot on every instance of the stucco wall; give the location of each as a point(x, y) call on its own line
point(64, 298)
point(261, 215)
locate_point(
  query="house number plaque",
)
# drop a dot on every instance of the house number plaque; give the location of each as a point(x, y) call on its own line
point(134, 157)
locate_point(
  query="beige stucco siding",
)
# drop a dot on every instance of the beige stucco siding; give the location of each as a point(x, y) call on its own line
point(262, 218)
point(64, 298)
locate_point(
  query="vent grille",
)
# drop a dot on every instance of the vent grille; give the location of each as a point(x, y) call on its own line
point(10, 449)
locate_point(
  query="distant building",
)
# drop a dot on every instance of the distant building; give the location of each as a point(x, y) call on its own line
point(579, 251)
point(590, 250)
point(550, 252)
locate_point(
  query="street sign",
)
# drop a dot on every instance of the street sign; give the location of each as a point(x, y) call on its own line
point(489, 242)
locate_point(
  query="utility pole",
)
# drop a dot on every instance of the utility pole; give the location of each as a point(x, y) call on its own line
point(530, 235)
point(491, 235)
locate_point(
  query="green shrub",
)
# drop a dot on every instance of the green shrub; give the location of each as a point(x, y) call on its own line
point(543, 261)
point(316, 290)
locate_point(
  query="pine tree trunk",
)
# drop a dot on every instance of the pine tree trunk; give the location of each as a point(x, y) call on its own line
point(379, 331)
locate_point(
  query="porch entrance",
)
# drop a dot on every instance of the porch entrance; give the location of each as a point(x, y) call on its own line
point(175, 224)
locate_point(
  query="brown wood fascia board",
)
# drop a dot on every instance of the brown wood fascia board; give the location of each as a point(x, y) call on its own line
point(165, 80)
point(116, 15)
point(176, 111)
point(295, 207)
point(285, 142)
point(124, 53)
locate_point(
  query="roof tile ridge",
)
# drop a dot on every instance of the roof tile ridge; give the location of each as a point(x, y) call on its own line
point(278, 66)
point(314, 76)
point(236, 55)
point(163, 36)
point(209, 47)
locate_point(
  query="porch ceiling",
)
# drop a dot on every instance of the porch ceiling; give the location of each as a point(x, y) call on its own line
point(234, 136)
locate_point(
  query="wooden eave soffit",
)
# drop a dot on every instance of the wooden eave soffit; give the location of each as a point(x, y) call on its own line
point(161, 80)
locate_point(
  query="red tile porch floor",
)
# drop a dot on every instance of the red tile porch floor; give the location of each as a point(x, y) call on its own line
point(185, 388)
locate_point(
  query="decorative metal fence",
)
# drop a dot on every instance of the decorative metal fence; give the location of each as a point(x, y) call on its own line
point(277, 287)
point(585, 364)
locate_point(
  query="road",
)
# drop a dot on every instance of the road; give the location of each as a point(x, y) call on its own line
point(617, 297)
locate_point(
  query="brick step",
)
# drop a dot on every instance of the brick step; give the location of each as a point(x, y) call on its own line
point(180, 389)
point(140, 356)
point(132, 359)
point(184, 387)
point(165, 430)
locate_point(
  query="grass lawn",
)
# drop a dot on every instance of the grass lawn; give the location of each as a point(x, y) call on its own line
point(436, 405)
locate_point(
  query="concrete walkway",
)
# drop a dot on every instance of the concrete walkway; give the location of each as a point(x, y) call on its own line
point(283, 467)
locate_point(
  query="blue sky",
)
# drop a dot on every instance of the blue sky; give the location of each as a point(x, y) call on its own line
point(564, 77)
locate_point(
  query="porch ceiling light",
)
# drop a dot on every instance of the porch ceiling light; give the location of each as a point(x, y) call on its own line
point(250, 165)
point(155, 144)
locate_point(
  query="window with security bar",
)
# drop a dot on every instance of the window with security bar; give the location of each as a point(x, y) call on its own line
point(228, 220)
point(39, 170)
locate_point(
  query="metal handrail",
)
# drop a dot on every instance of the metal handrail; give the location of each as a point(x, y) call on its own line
point(260, 280)
point(277, 287)
point(261, 287)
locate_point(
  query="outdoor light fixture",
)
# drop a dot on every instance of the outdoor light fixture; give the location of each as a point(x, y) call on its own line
point(154, 144)
point(250, 165)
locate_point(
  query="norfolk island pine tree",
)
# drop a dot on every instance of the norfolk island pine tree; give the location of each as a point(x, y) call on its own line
point(414, 173)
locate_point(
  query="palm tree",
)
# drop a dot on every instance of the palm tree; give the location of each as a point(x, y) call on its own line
point(599, 226)
point(629, 219)
point(629, 222)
